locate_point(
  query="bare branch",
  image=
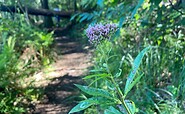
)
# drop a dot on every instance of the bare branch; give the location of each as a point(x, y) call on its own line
point(33, 11)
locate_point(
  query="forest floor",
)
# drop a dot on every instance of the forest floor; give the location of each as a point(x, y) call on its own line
point(72, 63)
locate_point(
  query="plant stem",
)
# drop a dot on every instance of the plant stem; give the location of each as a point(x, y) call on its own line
point(122, 97)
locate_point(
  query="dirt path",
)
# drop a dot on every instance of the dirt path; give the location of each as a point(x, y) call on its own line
point(59, 91)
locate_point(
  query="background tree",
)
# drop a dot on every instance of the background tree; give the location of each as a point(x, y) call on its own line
point(48, 22)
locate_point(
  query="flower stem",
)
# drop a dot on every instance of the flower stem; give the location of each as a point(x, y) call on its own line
point(122, 97)
point(120, 94)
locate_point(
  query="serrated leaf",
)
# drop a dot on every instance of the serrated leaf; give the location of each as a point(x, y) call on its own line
point(135, 67)
point(95, 91)
point(81, 106)
point(112, 110)
point(136, 8)
point(89, 102)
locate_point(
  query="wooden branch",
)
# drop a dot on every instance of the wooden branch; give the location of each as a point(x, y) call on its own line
point(33, 11)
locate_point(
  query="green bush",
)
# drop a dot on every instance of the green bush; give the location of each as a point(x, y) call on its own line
point(24, 50)
point(142, 23)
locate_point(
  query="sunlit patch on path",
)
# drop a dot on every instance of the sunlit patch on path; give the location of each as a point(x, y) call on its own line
point(58, 82)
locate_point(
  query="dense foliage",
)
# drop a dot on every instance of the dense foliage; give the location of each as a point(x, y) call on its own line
point(139, 57)
point(23, 50)
point(160, 87)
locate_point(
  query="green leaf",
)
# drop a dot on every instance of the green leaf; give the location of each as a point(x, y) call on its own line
point(136, 8)
point(119, 73)
point(135, 67)
point(121, 21)
point(81, 106)
point(90, 17)
point(95, 80)
point(156, 2)
point(103, 75)
point(133, 83)
point(112, 110)
point(94, 91)
point(89, 102)
point(11, 43)
point(100, 3)
point(74, 16)
point(84, 16)
point(130, 104)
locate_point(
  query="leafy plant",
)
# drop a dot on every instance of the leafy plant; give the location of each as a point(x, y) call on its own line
point(142, 23)
point(114, 98)
point(23, 52)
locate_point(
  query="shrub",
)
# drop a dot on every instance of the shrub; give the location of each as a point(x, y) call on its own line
point(160, 77)
point(24, 50)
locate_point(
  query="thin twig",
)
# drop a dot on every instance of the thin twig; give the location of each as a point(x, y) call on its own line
point(175, 8)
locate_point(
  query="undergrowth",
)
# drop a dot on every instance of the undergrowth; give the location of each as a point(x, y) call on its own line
point(23, 51)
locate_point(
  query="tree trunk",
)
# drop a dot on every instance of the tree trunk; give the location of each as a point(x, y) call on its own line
point(33, 11)
point(48, 22)
point(75, 6)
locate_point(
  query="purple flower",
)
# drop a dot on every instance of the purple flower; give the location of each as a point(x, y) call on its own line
point(100, 32)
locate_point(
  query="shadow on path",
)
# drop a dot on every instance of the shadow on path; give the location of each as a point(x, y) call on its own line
point(60, 94)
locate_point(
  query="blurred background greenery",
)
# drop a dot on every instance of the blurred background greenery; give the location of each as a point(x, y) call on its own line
point(26, 46)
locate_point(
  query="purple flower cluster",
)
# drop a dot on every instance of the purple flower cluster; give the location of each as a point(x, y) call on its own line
point(99, 32)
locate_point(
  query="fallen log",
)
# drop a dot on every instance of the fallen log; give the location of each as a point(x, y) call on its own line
point(34, 11)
